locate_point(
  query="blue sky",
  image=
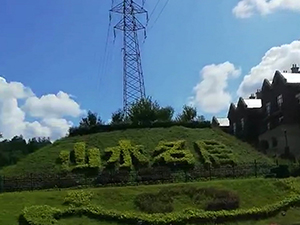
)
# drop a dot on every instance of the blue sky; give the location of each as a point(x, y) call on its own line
point(58, 45)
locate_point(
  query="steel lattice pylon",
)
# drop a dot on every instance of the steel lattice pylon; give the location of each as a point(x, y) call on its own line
point(133, 80)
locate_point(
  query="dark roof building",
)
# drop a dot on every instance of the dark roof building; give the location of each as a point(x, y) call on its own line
point(272, 115)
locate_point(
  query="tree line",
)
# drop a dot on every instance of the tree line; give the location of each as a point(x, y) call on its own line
point(142, 112)
point(11, 151)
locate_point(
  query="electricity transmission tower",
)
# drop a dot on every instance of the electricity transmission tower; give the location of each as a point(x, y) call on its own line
point(133, 79)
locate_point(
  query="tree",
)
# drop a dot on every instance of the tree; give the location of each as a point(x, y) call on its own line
point(37, 143)
point(143, 111)
point(188, 114)
point(165, 114)
point(200, 118)
point(118, 117)
point(91, 120)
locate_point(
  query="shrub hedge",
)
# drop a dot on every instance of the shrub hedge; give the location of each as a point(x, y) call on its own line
point(46, 215)
point(78, 198)
point(64, 157)
point(154, 203)
point(76, 131)
point(173, 153)
point(94, 157)
point(79, 153)
point(114, 157)
point(122, 156)
point(213, 153)
point(162, 202)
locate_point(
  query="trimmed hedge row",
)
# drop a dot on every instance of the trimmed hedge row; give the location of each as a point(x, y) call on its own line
point(173, 153)
point(121, 156)
point(78, 198)
point(94, 157)
point(46, 215)
point(213, 153)
point(76, 131)
point(79, 153)
point(214, 199)
point(80, 158)
point(64, 157)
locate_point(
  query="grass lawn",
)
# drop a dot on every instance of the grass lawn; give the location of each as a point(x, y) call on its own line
point(252, 192)
point(44, 160)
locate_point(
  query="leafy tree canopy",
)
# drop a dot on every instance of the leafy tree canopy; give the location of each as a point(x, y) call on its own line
point(90, 120)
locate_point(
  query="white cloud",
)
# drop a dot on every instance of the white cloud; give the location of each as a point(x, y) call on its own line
point(277, 58)
point(59, 127)
point(211, 93)
point(13, 90)
point(49, 109)
point(52, 106)
point(246, 8)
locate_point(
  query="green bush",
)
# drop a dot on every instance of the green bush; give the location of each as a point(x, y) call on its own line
point(38, 215)
point(31, 215)
point(137, 153)
point(64, 157)
point(79, 152)
point(173, 153)
point(282, 171)
point(80, 168)
point(78, 198)
point(223, 200)
point(207, 198)
point(76, 131)
point(154, 203)
point(213, 153)
point(115, 156)
point(121, 156)
point(94, 157)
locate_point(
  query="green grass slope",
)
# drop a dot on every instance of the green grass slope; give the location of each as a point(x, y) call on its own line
point(45, 159)
point(252, 193)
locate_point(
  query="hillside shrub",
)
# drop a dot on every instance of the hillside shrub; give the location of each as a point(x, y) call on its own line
point(77, 131)
point(114, 156)
point(78, 198)
point(64, 158)
point(37, 215)
point(31, 215)
point(154, 203)
point(113, 177)
point(211, 198)
point(125, 156)
point(223, 200)
point(79, 153)
point(138, 157)
point(214, 153)
point(155, 174)
point(173, 154)
point(282, 171)
point(94, 157)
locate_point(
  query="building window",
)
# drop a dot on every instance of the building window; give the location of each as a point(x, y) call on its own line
point(268, 126)
point(268, 108)
point(234, 128)
point(280, 101)
point(243, 123)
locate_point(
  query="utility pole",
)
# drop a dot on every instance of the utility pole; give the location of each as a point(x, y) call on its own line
point(133, 79)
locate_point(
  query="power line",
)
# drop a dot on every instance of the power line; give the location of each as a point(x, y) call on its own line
point(165, 5)
point(104, 59)
point(154, 10)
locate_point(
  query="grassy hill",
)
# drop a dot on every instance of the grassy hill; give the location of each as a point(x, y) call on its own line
point(45, 160)
point(251, 192)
